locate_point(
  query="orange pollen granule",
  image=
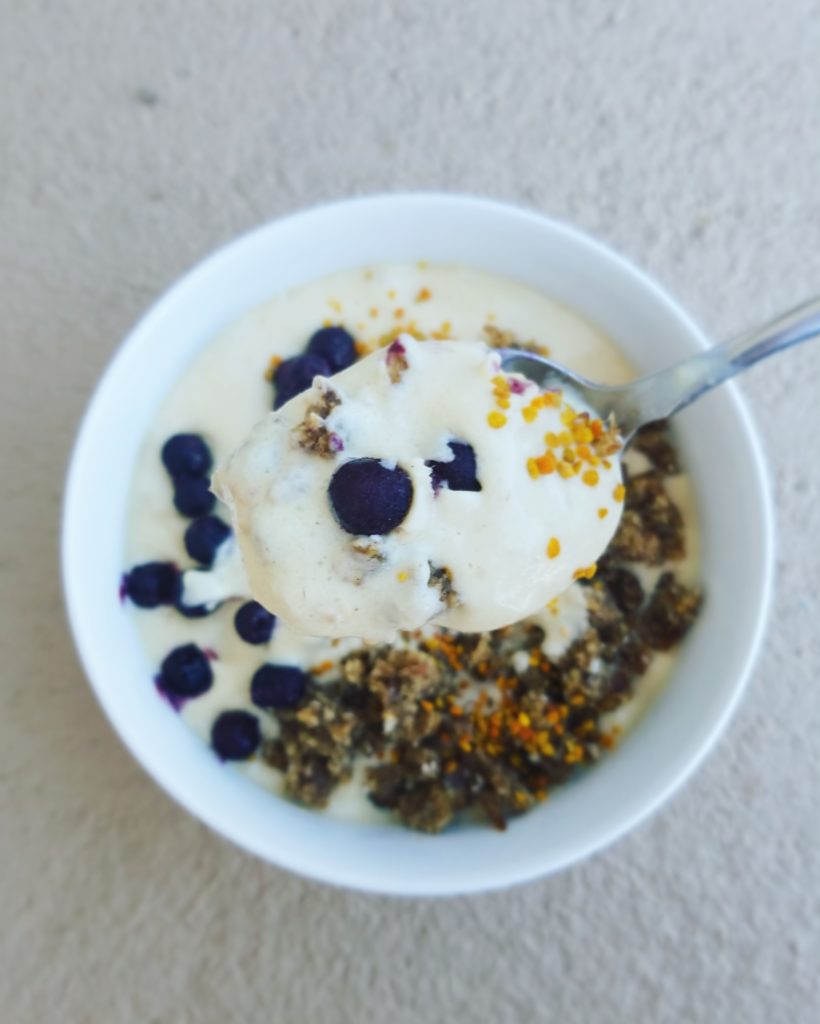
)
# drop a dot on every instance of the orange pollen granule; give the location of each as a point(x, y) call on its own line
point(546, 463)
point(496, 419)
point(444, 332)
point(424, 295)
point(590, 477)
point(272, 366)
point(554, 547)
point(603, 513)
point(619, 493)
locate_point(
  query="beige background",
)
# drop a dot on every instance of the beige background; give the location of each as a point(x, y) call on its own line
point(134, 138)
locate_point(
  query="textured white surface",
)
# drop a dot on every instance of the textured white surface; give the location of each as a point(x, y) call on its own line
point(136, 137)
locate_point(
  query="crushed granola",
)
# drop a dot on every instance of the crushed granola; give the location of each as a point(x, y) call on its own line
point(446, 723)
point(497, 337)
point(442, 579)
point(312, 433)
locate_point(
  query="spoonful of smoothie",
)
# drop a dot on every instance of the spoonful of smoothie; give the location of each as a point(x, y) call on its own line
point(424, 483)
point(448, 482)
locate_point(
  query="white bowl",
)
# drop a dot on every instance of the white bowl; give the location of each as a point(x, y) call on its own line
point(719, 445)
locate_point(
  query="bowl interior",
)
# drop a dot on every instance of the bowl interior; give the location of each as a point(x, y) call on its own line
point(720, 450)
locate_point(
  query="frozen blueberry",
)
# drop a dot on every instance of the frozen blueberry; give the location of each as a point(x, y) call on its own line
point(335, 345)
point(459, 474)
point(153, 584)
point(369, 498)
point(186, 672)
point(278, 686)
point(254, 623)
point(192, 496)
point(186, 455)
point(235, 735)
point(203, 537)
point(296, 375)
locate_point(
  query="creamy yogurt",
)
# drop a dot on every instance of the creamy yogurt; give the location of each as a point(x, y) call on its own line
point(224, 392)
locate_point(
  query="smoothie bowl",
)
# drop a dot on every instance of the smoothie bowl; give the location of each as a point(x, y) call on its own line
point(439, 762)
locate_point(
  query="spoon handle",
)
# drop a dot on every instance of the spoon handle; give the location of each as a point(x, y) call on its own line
point(663, 393)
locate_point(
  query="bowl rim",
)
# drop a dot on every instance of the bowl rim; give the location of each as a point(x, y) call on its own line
point(72, 503)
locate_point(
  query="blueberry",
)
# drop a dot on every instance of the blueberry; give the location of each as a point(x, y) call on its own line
point(203, 537)
point(192, 496)
point(278, 686)
point(186, 672)
point(153, 584)
point(296, 375)
point(335, 345)
point(459, 474)
point(369, 498)
point(254, 623)
point(235, 735)
point(186, 455)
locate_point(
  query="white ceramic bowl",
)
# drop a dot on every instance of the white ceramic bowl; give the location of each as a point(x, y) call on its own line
point(719, 446)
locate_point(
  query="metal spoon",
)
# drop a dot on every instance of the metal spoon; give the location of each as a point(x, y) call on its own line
point(659, 395)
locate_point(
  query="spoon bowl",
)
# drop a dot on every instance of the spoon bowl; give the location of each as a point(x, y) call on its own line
point(663, 393)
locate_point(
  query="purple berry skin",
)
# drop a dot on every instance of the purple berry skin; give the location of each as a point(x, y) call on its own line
point(295, 375)
point(280, 687)
point(186, 672)
point(235, 735)
point(254, 623)
point(186, 456)
point(193, 497)
point(203, 538)
point(335, 345)
point(152, 584)
point(368, 498)
point(459, 474)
